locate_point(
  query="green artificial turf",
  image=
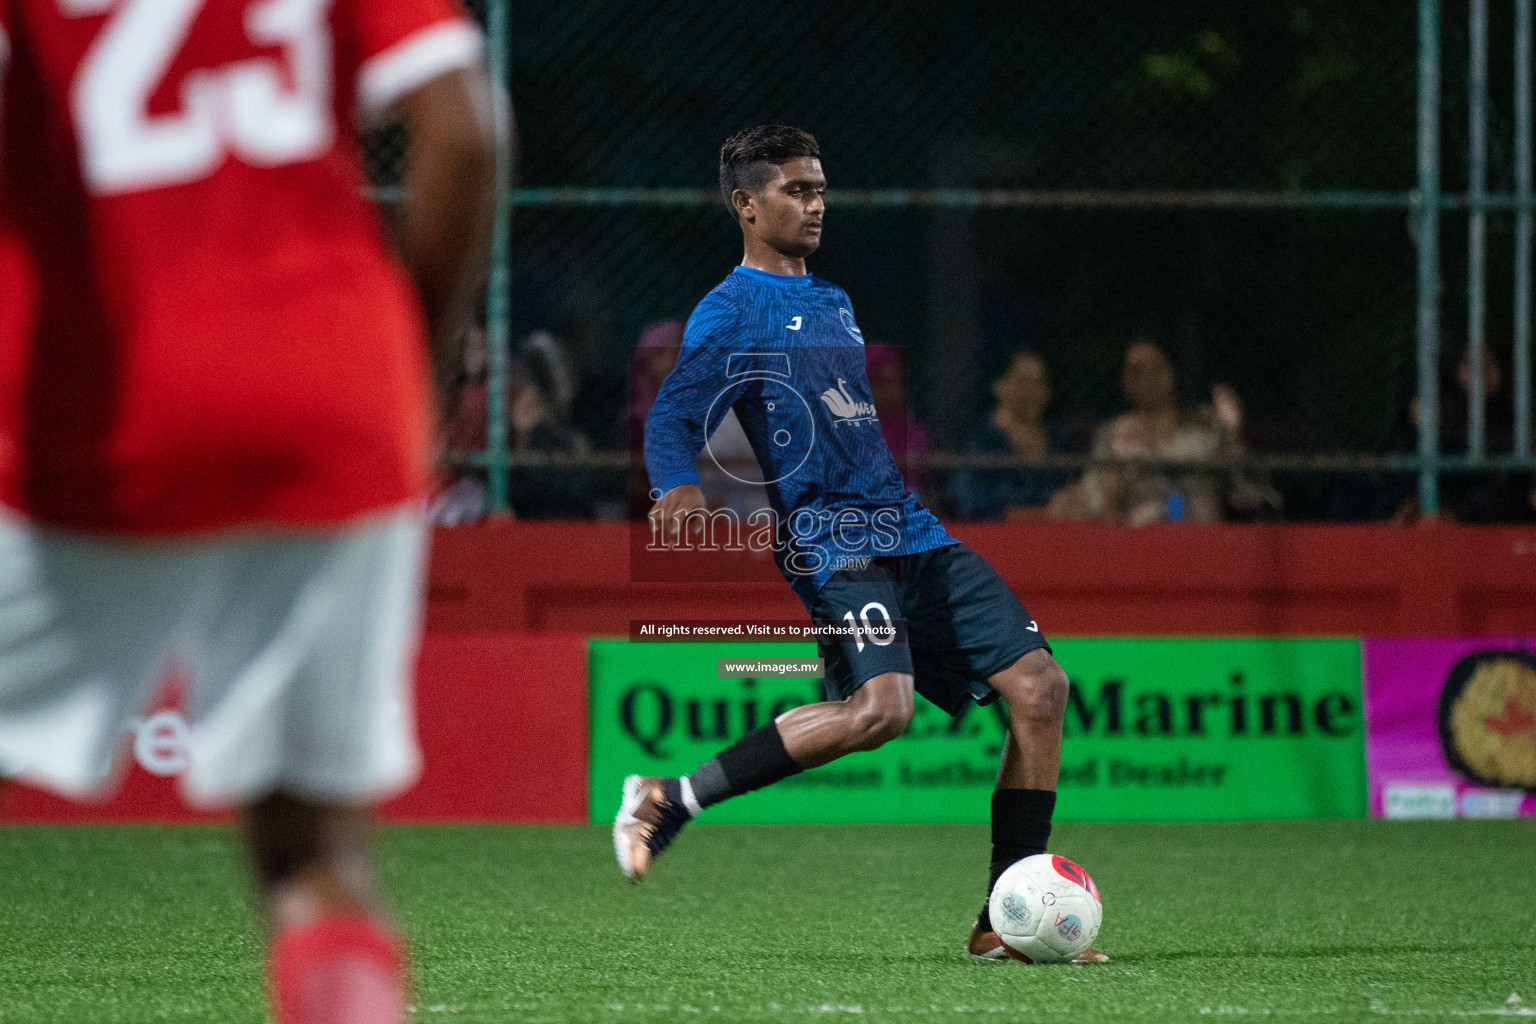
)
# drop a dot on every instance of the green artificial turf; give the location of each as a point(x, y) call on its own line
point(1337, 920)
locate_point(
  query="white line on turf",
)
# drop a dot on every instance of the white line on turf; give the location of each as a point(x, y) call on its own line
point(1377, 1008)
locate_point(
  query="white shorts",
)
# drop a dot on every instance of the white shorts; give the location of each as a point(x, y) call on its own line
point(298, 650)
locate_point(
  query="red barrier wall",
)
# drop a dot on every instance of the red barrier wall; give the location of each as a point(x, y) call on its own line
point(1076, 578)
point(502, 683)
point(503, 726)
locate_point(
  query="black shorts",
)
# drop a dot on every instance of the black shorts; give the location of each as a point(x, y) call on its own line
point(963, 625)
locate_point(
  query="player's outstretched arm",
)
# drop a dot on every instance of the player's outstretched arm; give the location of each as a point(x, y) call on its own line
point(451, 200)
point(677, 424)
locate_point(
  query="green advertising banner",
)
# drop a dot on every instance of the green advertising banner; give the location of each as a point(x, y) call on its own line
point(1157, 730)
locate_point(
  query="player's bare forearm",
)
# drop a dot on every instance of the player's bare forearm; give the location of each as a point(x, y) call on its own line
point(451, 201)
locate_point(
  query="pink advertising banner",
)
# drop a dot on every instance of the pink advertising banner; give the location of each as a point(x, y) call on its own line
point(1450, 726)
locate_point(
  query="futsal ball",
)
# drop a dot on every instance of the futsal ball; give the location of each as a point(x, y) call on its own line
point(1045, 909)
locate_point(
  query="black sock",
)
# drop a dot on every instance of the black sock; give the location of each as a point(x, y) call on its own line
point(756, 760)
point(1021, 827)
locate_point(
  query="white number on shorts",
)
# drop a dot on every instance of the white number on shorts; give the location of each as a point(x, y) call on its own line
point(243, 108)
point(879, 639)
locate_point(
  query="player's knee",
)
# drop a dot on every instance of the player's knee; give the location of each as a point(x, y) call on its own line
point(875, 726)
point(1040, 691)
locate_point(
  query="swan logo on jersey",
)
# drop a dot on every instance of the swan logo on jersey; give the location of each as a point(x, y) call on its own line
point(848, 325)
point(845, 409)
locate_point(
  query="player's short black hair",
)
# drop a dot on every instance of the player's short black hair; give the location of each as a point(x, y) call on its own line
point(748, 158)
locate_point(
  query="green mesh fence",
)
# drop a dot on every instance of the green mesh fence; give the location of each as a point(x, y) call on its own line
point(1231, 181)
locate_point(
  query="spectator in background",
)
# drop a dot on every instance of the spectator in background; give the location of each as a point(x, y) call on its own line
point(533, 425)
point(1017, 427)
point(539, 379)
point(1490, 496)
point(534, 420)
point(559, 369)
point(1210, 484)
point(904, 435)
point(654, 356)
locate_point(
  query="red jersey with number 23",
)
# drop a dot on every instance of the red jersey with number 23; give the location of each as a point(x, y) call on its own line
point(201, 324)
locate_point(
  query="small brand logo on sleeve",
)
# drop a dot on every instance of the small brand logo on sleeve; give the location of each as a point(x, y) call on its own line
point(848, 325)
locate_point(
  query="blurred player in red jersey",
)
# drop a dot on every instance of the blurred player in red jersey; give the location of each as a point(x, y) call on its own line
point(215, 418)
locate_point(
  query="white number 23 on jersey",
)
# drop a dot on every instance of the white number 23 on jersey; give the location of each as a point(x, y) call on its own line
point(242, 108)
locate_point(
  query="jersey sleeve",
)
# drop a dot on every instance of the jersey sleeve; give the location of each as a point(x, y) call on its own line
point(400, 45)
point(674, 428)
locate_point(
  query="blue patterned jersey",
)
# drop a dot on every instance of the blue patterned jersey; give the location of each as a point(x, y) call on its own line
point(786, 353)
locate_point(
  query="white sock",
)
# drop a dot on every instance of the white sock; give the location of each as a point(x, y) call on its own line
point(689, 800)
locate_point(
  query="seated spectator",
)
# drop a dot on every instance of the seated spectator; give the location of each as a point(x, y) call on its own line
point(1206, 488)
point(653, 358)
point(1490, 496)
point(537, 381)
point(535, 426)
point(563, 379)
point(532, 425)
point(1017, 427)
point(904, 435)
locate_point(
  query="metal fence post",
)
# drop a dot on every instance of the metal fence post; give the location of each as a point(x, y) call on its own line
point(1428, 278)
point(1477, 218)
point(1522, 361)
point(498, 300)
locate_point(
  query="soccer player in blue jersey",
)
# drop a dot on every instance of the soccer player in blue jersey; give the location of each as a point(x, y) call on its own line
point(782, 349)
